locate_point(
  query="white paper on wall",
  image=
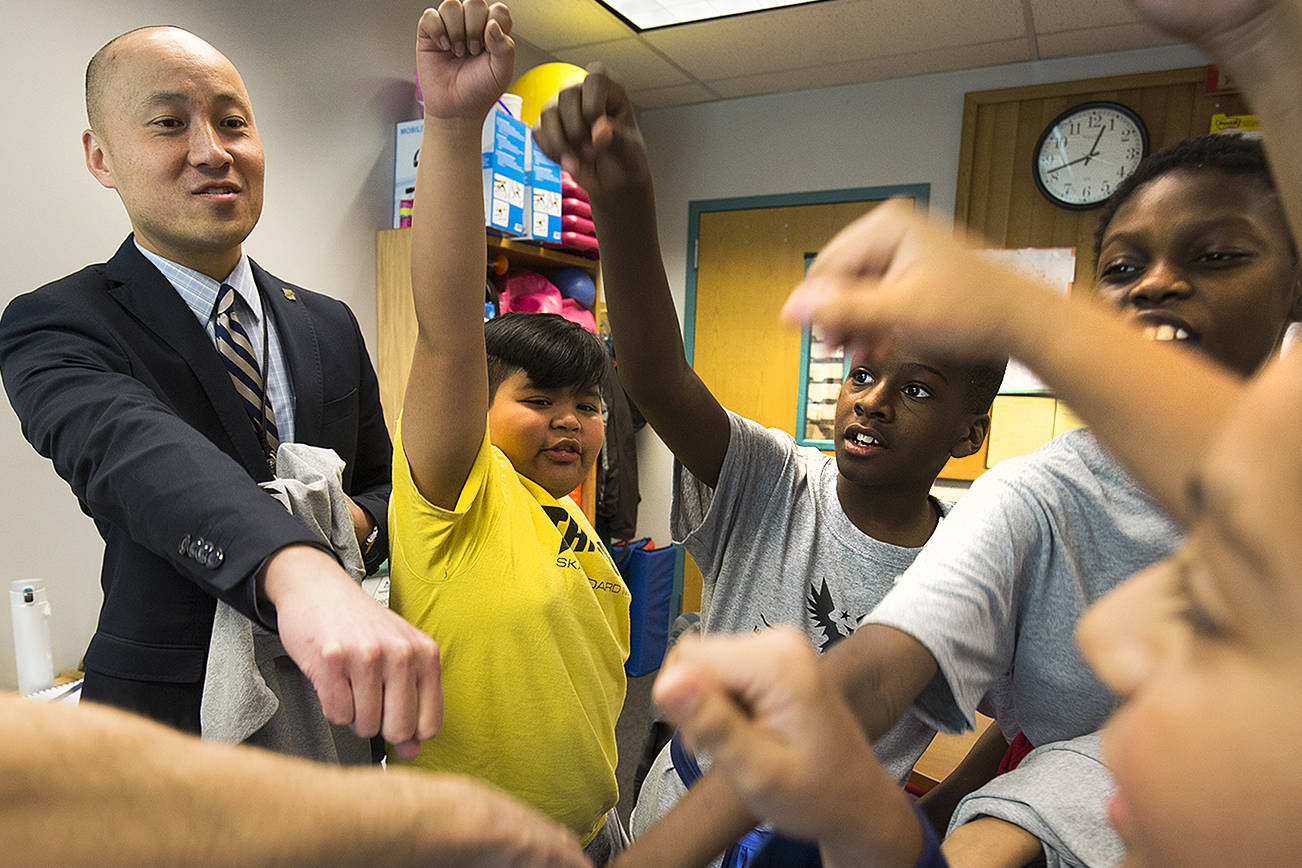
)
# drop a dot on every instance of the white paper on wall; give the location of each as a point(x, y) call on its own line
point(1055, 266)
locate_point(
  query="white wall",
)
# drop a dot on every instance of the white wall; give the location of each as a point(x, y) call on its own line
point(905, 131)
point(328, 80)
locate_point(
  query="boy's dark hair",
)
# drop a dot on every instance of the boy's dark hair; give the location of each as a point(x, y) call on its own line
point(552, 351)
point(1231, 154)
point(981, 385)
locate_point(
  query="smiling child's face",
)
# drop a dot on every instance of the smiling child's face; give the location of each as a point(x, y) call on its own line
point(1204, 258)
point(1205, 652)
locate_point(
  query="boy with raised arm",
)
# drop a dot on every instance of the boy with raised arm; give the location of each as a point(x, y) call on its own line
point(1215, 627)
point(1193, 238)
point(1196, 242)
point(499, 424)
point(783, 534)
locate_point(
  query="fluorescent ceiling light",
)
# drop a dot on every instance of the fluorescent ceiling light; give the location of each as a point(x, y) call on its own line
point(648, 14)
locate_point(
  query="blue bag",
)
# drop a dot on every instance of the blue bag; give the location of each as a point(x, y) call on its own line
point(649, 575)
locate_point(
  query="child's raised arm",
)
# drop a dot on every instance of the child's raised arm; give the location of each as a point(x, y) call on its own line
point(465, 57)
point(592, 131)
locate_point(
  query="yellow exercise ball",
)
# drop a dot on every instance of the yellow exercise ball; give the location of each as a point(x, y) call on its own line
point(540, 84)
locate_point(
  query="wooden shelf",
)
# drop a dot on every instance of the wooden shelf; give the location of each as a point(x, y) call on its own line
point(529, 255)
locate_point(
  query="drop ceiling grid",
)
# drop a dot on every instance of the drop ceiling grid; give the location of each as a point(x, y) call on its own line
point(829, 33)
point(824, 44)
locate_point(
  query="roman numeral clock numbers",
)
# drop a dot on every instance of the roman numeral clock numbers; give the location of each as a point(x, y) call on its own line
point(1085, 152)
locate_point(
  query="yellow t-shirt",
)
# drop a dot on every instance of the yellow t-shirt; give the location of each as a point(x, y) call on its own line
point(531, 618)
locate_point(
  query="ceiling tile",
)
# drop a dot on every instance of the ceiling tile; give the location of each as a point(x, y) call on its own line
point(663, 97)
point(1099, 40)
point(832, 32)
point(629, 60)
point(875, 69)
point(528, 55)
point(553, 24)
point(1053, 15)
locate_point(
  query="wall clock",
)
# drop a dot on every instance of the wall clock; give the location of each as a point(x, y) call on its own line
point(1085, 152)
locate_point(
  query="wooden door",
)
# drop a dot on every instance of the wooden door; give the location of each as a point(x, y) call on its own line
point(748, 260)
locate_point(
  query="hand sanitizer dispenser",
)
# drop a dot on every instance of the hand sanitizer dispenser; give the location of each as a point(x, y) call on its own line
point(31, 614)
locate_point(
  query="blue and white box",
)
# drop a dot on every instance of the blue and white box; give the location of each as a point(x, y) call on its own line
point(502, 151)
point(406, 152)
point(544, 195)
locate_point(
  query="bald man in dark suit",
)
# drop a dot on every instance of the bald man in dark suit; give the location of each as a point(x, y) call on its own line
point(119, 376)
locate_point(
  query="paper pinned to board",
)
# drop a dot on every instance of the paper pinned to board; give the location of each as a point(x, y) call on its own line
point(1055, 266)
point(67, 692)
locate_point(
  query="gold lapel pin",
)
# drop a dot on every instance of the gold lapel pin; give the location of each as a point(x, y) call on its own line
point(289, 293)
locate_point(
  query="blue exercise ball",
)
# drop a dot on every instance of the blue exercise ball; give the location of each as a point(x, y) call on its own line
point(577, 284)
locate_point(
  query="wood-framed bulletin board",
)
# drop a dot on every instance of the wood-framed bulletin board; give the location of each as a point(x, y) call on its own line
point(996, 195)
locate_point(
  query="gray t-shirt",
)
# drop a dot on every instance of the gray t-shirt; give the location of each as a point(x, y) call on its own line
point(775, 547)
point(773, 543)
point(1069, 820)
point(1001, 584)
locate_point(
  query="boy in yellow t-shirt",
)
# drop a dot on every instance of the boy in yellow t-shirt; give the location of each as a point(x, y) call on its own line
point(499, 423)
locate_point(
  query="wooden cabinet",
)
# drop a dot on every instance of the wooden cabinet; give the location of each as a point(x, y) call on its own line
point(396, 315)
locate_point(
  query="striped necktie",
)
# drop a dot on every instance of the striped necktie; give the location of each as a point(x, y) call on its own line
point(242, 364)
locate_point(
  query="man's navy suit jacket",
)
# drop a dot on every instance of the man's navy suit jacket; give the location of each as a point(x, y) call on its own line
point(117, 383)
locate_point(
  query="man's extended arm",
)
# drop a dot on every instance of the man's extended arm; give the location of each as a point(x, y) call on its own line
point(88, 402)
point(94, 786)
point(131, 459)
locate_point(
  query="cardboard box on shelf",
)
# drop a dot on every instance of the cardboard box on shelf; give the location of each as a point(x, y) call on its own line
point(511, 174)
point(406, 151)
point(502, 151)
point(544, 218)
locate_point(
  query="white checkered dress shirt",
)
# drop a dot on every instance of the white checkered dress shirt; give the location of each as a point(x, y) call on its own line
point(199, 292)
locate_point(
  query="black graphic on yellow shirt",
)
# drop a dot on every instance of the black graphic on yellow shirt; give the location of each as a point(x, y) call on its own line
point(575, 541)
point(573, 537)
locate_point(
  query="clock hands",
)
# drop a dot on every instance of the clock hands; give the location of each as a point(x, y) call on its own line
point(1072, 163)
point(1094, 148)
point(1094, 152)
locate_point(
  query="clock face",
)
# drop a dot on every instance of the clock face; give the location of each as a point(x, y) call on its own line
point(1086, 152)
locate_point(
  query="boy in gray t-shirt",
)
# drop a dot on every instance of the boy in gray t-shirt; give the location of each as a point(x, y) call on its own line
point(789, 535)
point(999, 589)
point(1195, 250)
point(775, 547)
